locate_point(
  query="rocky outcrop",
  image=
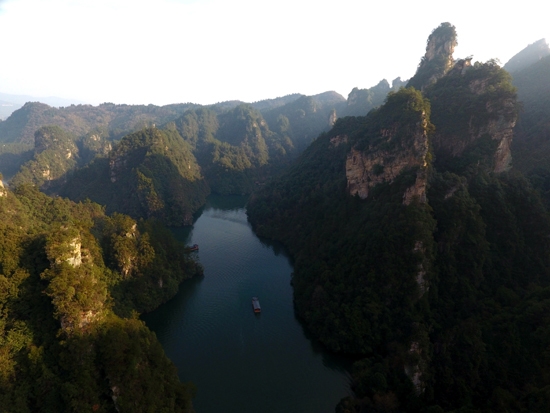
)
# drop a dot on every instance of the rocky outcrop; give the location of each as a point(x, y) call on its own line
point(438, 59)
point(3, 191)
point(414, 371)
point(67, 248)
point(116, 164)
point(489, 109)
point(338, 140)
point(332, 118)
point(75, 253)
point(368, 168)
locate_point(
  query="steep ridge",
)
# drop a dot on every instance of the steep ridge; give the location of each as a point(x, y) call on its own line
point(417, 250)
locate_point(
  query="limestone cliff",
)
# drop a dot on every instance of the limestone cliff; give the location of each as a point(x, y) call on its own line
point(474, 109)
point(388, 156)
point(438, 59)
point(77, 293)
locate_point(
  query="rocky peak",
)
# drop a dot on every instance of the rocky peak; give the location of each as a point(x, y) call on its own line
point(442, 42)
point(438, 59)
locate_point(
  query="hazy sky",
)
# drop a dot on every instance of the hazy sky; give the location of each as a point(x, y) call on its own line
point(206, 51)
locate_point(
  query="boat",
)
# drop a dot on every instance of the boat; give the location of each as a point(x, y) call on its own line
point(256, 305)
point(194, 247)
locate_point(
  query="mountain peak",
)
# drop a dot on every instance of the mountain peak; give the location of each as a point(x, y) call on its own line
point(438, 59)
point(531, 54)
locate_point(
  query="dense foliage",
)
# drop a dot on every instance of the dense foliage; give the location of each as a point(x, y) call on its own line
point(116, 120)
point(55, 154)
point(470, 105)
point(150, 173)
point(441, 302)
point(71, 281)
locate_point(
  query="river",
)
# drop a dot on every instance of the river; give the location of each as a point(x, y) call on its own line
point(241, 361)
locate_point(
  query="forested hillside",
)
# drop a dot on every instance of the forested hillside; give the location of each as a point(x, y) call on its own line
point(418, 250)
point(150, 173)
point(289, 123)
point(72, 281)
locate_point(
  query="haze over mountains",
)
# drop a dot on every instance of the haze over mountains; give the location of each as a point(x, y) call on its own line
point(10, 103)
point(416, 214)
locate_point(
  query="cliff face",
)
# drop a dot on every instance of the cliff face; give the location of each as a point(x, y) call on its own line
point(419, 288)
point(398, 147)
point(478, 127)
point(366, 169)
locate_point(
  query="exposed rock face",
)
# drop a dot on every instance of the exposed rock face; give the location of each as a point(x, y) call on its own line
point(75, 258)
point(332, 118)
point(3, 191)
point(368, 168)
point(502, 131)
point(438, 59)
point(420, 276)
point(493, 116)
point(72, 254)
point(85, 318)
point(414, 372)
point(440, 46)
point(337, 140)
point(116, 164)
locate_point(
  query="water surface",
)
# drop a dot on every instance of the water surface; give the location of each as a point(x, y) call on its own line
point(241, 361)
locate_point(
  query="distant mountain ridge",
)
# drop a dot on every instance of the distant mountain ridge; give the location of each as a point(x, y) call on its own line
point(528, 56)
point(292, 123)
point(10, 103)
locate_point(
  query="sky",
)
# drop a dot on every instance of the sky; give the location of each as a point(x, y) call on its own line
point(208, 51)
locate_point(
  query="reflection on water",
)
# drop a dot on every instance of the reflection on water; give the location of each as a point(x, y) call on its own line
point(241, 361)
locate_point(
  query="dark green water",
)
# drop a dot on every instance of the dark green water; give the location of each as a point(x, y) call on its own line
point(241, 361)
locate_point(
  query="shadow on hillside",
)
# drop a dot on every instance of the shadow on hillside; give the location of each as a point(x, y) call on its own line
point(11, 162)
